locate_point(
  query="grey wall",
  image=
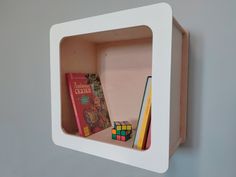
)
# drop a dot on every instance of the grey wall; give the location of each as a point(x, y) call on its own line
point(26, 148)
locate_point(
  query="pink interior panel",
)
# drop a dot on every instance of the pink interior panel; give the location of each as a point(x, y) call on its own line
point(123, 68)
point(76, 56)
point(123, 59)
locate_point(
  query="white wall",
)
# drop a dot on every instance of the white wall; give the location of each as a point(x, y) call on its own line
point(26, 148)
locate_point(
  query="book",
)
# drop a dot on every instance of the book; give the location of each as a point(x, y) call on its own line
point(144, 117)
point(88, 102)
point(148, 141)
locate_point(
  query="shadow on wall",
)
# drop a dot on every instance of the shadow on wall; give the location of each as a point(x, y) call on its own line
point(187, 155)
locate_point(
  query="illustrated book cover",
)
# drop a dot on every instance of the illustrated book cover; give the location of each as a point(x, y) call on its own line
point(88, 102)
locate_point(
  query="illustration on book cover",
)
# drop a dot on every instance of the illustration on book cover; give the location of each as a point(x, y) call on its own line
point(88, 102)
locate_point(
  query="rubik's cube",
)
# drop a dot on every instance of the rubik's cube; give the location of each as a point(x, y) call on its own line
point(122, 130)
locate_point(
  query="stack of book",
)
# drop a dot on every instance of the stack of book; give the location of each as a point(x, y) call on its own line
point(142, 138)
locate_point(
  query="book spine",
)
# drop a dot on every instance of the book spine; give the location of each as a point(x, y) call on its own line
point(69, 81)
point(146, 118)
point(141, 119)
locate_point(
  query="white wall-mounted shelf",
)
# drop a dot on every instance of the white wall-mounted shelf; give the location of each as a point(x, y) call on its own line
point(124, 48)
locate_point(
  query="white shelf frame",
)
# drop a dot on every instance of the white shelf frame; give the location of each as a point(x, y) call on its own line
point(159, 19)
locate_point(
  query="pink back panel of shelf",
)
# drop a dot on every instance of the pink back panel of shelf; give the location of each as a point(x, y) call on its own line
point(123, 67)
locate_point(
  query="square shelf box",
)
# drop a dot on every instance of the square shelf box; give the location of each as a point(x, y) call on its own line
point(124, 48)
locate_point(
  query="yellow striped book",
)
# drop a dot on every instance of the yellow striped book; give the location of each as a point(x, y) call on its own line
point(144, 117)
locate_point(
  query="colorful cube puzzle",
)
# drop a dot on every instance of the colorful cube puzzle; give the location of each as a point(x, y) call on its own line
point(122, 125)
point(122, 130)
